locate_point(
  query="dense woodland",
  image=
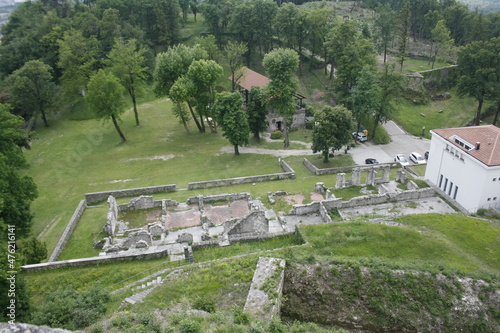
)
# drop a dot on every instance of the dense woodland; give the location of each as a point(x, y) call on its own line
point(55, 55)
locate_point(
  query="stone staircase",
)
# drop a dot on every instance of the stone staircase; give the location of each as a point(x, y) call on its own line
point(151, 285)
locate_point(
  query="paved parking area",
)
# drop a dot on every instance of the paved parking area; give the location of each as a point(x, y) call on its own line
point(402, 143)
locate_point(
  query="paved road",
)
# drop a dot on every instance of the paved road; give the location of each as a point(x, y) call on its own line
point(402, 143)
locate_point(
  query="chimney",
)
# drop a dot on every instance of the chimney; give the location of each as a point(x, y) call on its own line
point(478, 145)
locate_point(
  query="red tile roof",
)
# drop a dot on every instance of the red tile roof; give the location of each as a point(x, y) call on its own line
point(251, 79)
point(488, 136)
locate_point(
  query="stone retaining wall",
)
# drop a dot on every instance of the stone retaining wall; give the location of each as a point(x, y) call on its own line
point(218, 197)
point(379, 198)
point(68, 231)
point(288, 174)
point(94, 260)
point(95, 197)
point(314, 170)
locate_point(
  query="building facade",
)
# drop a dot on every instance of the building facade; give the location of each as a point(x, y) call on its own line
point(465, 163)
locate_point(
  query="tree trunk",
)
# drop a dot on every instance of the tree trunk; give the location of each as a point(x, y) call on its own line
point(184, 122)
point(202, 123)
point(236, 151)
point(118, 128)
point(286, 143)
point(194, 118)
point(256, 135)
point(134, 102)
point(325, 156)
point(478, 113)
point(496, 114)
point(44, 117)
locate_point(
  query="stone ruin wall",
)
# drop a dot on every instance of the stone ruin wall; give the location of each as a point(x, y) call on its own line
point(95, 197)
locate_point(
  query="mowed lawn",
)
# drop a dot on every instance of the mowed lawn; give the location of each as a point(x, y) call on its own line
point(74, 157)
point(71, 158)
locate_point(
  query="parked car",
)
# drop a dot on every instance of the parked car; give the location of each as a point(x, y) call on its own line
point(402, 160)
point(417, 158)
point(371, 161)
point(359, 136)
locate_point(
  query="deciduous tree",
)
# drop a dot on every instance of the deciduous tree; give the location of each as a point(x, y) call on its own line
point(365, 96)
point(234, 53)
point(232, 119)
point(479, 68)
point(16, 191)
point(32, 89)
point(281, 65)
point(441, 40)
point(105, 97)
point(126, 61)
point(256, 111)
point(332, 130)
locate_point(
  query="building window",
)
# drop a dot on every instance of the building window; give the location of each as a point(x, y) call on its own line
point(494, 198)
point(494, 179)
point(455, 194)
point(489, 199)
point(440, 180)
point(451, 187)
point(445, 184)
point(447, 148)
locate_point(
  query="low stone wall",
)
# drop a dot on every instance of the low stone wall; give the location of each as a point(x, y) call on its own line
point(324, 214)
point(312, 208)
point(252, 238)
point(70, 227)
point(218, 197)
point(95, 197)
point(379, 198)
point(94, 260)
point(314, 170)
point(288, 174)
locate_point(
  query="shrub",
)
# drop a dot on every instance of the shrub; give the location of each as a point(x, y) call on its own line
point(206, 304)
point(189, 326)
point(240, 317)
point(310, 124)
point(276, 135)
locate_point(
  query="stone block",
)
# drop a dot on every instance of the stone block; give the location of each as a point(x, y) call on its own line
point(141, 244)
point(135, 237)
point(185, 238)
point(156, 229)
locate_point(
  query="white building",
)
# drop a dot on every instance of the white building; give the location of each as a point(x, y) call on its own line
point(465, 163)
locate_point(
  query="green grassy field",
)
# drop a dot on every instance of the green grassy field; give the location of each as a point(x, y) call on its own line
point(453, 112)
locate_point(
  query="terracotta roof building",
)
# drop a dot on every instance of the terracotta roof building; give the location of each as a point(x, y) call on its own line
point(465, 163)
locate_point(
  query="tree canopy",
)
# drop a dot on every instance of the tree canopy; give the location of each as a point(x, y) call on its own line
point(281, 64)
point(232, 119)
point(332, 131)
point(105, 97)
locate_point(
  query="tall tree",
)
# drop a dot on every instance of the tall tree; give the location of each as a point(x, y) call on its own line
point(170, 67)
point(217, 14)
point(181, 92)
point(77, 59)
point(172, 64)
point(351, 52)
point(16, 191)
point(291, 24)
point(403, 28)
point(479, 68)
point(256, 111)
point(365, 96)
point(232, 119)
point(385, 27)
point(204, 74)
point(209, 44)
point(32, 89)
point(441, 40)
point(105, 97)
point(320, 21)
point(234, 53)
point(126, 61)
point(332, 130)
point(281, 65)
point(390, 83)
